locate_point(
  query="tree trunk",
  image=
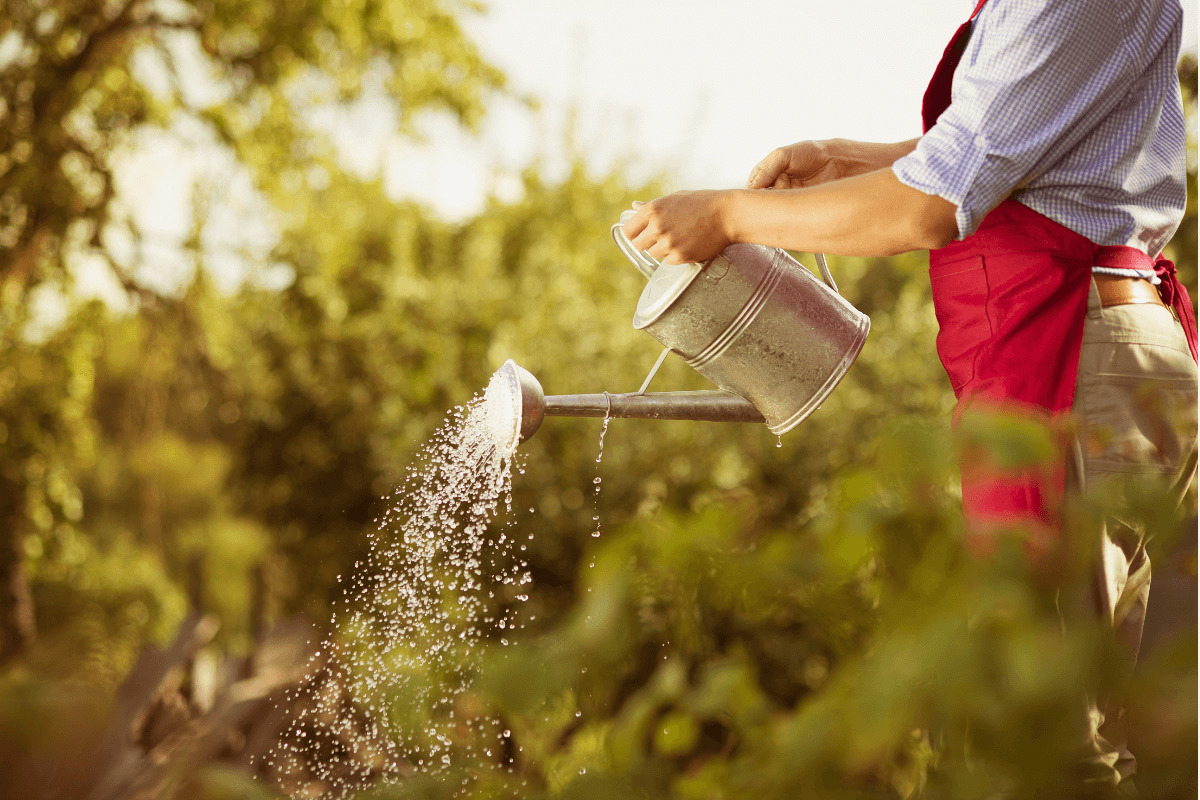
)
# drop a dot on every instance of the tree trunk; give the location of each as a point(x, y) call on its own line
point(17, 628)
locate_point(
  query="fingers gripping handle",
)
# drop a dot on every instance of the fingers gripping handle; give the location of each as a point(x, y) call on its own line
point(647, 265)
point(643, 261)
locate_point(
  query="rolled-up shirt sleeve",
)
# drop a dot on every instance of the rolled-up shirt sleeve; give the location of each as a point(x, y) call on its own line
point(1035, 78)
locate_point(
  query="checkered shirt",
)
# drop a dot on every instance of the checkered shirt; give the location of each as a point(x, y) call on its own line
point(1072, 108)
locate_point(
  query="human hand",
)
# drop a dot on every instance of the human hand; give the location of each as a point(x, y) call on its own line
point(794, 166)
point(682, 227)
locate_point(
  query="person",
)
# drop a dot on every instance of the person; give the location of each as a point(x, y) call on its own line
point(1049, 176)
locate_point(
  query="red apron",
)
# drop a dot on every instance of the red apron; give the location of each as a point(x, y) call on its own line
point(1011, 300)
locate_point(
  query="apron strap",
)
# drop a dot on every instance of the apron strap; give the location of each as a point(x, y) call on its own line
point(937, 94)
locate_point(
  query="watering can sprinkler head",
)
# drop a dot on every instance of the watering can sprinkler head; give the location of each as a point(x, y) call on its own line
point(515, 405)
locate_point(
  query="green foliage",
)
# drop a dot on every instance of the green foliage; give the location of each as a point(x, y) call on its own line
point(717, 657)
point(131, 418)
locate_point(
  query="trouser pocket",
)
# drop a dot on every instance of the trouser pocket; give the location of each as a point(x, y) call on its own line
point(1136, 392)
point(960, 295)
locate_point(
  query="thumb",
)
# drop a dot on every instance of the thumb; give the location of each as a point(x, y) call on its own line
point(765, 172)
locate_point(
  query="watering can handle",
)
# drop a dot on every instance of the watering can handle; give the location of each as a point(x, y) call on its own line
point(647, 265)
point(825, 273)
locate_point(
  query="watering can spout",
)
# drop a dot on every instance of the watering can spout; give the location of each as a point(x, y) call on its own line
point(516, 405)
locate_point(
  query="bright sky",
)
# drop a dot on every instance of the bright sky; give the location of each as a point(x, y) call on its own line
point(701, 89)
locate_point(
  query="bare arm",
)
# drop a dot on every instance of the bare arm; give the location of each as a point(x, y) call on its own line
point(815, 162)
point(869, 214)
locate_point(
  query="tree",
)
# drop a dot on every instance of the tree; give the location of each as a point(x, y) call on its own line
point(78, 81)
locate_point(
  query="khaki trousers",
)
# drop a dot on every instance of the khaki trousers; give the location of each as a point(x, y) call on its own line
point(1135, 404)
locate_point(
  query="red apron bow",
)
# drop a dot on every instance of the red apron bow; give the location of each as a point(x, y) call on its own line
point(1175, 295)
point(1172, 291)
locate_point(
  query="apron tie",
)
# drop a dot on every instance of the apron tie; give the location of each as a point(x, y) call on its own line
point(1175, 295)
point(1170, 289)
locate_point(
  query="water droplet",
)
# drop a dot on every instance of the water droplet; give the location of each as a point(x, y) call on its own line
point(779, 442)
point(583, 770)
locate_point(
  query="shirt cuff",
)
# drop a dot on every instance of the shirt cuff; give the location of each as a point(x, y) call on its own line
point(946, 163)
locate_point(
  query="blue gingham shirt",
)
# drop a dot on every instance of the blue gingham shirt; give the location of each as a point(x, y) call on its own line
point(1072, 108)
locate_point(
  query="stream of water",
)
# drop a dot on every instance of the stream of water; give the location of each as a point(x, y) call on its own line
point(388, 693)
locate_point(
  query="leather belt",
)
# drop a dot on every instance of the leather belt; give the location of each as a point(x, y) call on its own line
point(1118, 291)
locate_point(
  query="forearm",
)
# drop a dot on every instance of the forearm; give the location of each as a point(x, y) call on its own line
point(852, 157)
point(870, 214)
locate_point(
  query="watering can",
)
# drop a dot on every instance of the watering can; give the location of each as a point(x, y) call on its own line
point(772, 337)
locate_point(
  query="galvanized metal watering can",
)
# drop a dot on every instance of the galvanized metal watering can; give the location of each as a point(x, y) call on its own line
point(773, 337)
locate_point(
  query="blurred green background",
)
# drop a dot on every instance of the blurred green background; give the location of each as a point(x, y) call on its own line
point(186, 467)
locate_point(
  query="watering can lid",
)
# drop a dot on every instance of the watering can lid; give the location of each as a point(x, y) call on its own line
point(668, 282)
point(665, 282)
